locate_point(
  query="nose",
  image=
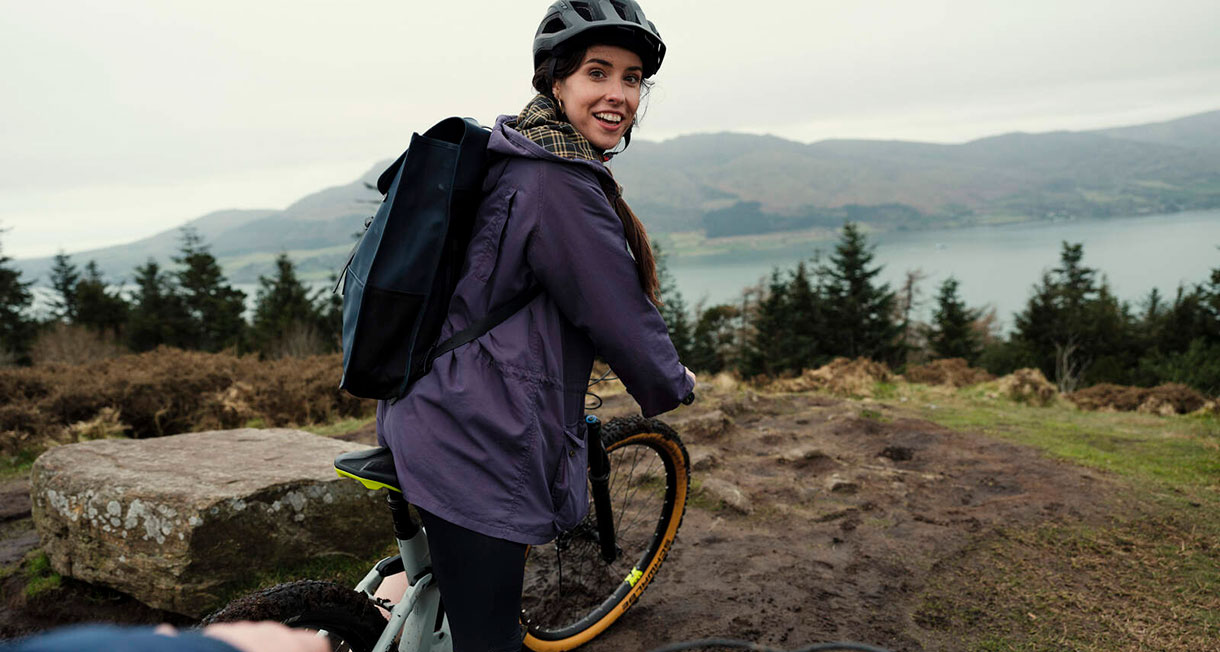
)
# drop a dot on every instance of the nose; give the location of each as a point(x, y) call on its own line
point(615, 93)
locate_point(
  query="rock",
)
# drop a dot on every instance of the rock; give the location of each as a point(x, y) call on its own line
point(837, 484)
point(703, 458)
point(808, 458)
point(703, 426)
point(729, 494)
point(176, 521)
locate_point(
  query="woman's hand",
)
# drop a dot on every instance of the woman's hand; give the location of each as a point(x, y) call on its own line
point(690, 374)
point(260, 637)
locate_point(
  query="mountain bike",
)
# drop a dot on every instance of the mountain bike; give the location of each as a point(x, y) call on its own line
point(575, 587)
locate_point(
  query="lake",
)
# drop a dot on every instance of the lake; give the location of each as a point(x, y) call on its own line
point(997, 266)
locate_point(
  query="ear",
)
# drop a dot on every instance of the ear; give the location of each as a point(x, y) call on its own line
point(555, 90)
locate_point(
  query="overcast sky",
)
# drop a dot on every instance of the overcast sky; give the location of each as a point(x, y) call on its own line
point(121, 118)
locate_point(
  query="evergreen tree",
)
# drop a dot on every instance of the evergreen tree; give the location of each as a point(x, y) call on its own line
point(953, 334)
point(331, 326)
point(808, 321)
point(214, 306)
point(64, 277)
point(158, 314)
point(1074, 327)
point(859, 313)
point(283, 306)
point(16, 327)
point(98, 308)
point(769, 350)
point(715, 339)
point(673, 306)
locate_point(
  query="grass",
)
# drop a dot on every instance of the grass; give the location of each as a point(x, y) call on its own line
point(346, 570)
point(1145, 577)
point(341, 427)
point(39, 576)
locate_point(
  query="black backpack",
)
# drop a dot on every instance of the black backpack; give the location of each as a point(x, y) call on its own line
point(400, 276)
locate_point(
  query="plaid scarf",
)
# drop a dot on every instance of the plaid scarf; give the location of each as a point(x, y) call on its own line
point(539, 121)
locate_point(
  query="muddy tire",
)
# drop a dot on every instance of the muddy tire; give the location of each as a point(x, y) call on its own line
point(349, 618)
point(571, 595)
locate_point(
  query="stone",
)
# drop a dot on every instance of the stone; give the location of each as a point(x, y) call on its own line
point(703, 458)
point(729, 494)
point(707, 425)
point(177, 521)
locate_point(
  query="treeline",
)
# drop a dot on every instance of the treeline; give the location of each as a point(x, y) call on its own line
point(1072, 328)
point(190, 305)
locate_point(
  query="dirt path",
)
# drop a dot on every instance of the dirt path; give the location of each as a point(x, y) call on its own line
point(848, 507)
point(815, 519)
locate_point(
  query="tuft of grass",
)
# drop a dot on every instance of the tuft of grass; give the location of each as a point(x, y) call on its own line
point(40, 577)
point(340, 427)
point(883, 391)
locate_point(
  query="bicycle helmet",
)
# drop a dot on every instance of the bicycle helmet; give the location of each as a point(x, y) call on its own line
point(615, 22)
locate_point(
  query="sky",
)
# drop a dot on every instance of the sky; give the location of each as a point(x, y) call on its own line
point(123, 118)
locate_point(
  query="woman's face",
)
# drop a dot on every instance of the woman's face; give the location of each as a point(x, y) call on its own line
point(601, 97)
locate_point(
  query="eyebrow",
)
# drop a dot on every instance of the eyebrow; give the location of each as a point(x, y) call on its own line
point(607, 64)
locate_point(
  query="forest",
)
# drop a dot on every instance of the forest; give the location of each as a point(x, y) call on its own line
point(1072, 327)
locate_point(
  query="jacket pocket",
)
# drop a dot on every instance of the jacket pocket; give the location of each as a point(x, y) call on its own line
point(569, 491)
point(486, 242)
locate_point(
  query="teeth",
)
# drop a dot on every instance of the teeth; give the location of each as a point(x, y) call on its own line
point(608, 117)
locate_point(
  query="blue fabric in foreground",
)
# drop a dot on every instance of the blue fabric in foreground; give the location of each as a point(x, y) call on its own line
point(110, 638)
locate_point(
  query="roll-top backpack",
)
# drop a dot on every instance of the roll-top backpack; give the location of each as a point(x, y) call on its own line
point(402, 273)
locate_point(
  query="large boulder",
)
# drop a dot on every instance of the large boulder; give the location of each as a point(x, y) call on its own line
point(176, 521)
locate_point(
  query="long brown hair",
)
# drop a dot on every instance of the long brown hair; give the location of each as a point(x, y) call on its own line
point(559, 67)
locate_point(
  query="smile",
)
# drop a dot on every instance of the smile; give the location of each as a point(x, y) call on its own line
point(612, 118)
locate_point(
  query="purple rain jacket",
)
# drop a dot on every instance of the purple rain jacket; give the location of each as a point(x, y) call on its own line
point(493, 438)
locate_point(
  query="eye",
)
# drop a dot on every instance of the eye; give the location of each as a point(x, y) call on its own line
point(632, 79)
point(597, 73)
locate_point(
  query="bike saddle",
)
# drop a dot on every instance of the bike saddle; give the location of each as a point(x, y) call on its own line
point(373, 467)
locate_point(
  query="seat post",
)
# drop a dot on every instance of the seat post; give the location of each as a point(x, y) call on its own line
point(405, 527)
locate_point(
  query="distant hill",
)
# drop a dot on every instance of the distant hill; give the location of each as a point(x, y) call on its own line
point(1196, 131)
point(735, 184)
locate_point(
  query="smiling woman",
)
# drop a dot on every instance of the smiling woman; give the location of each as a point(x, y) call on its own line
point(490, 445)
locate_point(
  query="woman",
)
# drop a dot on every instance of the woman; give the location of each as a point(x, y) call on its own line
point(490, 445)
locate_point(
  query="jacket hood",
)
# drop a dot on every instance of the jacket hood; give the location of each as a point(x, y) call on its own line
point(507, 141)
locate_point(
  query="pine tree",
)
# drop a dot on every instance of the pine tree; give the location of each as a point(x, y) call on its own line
point(16, 327)
point(808, 321)
point(715, 339)
point(768, 350)
point(98, 308)
point(64, 277)
point(673, 306)
point(158, 314)
point(1074, 327)
point(953, 334)
point(859, 313)
point(284, 307)
point(214, 306)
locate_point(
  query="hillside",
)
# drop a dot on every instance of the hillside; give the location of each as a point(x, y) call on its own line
point(738, 184)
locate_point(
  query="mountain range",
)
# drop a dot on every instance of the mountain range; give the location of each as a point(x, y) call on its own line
point(731, 184)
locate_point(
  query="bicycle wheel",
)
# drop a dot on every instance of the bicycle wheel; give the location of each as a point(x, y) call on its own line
point(571, 594)
point(350, 620)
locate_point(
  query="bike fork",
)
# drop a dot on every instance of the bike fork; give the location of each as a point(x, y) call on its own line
point(599, 487)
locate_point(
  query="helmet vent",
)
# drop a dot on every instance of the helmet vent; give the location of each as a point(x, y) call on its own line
point(583, 10)
point(621, 9)
point(553, 26)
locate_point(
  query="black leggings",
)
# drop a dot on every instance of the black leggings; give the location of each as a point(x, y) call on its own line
point(480, 582)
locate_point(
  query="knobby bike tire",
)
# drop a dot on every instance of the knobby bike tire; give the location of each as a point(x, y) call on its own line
point(350, 619)
point(571, 595)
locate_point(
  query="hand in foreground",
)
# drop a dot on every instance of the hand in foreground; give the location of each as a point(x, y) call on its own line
point(261, 637)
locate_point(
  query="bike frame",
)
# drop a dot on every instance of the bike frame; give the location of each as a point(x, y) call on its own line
point(413, 621)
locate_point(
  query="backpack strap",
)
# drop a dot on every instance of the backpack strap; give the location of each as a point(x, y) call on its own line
point(481, 327)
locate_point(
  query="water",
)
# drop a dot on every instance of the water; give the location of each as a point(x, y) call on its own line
point(998, 266)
